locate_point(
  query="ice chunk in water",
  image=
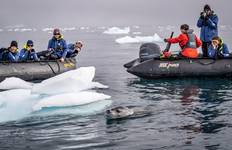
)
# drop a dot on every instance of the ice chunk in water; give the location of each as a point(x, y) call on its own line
point(116, 30)
point(15, 83)
point(69, 99)
point(139, 39)
point(16, 104)
point(72, 81)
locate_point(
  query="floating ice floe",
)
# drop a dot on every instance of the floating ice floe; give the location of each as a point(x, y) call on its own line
point(136, 27)
point(116, 30)
point(15, 83)
point(69, 99)
point(137, 33)
point(47, 29)
point(139, 39)
point(76, 80)
point(59, 92)
point(16, 104)
point(68, 29)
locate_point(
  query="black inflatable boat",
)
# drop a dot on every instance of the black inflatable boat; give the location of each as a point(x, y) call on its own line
point(150, 65)
point(35, 70)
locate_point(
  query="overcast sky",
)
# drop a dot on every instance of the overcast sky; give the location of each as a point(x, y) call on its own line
point(108, 12)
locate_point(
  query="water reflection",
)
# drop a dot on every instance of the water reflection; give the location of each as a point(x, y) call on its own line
point(196, 104)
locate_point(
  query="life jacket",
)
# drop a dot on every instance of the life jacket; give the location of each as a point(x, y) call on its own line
point(191, 40)
point(220, 49)
point(58, 43)
point(190, 49)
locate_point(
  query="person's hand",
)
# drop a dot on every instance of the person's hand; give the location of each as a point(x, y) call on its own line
point(165, 40)
point(32, 50)
point(78, 50)
point(202, 15)
point(62, 59)
point(50, 49)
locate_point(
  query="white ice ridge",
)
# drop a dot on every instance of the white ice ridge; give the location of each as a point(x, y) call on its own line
point(116, 30)
point(15, 83)
point(69, 99)
point(139, 39)
point(76, 80)
point(47, 29)
point(68, 29)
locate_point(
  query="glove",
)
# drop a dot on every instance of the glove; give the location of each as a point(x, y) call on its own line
point(202, 15)
point(32, 50)
point(165, 54)
point(165, 40)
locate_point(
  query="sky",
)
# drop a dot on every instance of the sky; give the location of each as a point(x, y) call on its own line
point(37, 13)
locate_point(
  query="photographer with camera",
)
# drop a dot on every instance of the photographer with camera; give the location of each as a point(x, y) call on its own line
point(208, 22)
point(28, 52)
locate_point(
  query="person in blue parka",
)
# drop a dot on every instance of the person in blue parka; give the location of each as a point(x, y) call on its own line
point(10, 54)
point(28, 52)
point(74, 49)
point(208, 22)
point(218, 49)
point(57, 46)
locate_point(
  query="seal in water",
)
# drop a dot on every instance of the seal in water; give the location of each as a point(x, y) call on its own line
point(122, 112)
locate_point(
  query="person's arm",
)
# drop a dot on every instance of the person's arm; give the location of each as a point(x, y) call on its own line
point(50, 44)
point(65, 49)
point(175, 40)
point(23, 54)
point(34, 55)
point(226, 52)
point(211, 51)
point(12, 57)
point(198, 42)
point(200, 22)
point(212, 23)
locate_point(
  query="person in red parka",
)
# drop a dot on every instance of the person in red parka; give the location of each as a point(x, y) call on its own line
point(188, 42)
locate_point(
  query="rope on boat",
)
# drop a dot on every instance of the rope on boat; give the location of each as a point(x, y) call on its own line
point(50, 66)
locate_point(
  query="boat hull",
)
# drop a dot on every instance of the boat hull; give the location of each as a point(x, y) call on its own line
point(35, 70)
point(156, 68)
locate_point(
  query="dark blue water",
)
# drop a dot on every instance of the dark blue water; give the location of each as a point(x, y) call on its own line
point(188, 113)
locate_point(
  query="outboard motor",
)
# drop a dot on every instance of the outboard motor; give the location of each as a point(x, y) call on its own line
point(149, 51)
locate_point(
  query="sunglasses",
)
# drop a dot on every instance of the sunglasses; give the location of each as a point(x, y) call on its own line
point(57, 34)
point(30, 45)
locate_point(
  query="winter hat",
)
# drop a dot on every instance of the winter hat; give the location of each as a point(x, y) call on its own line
point(56, 31)
point(184, 27)
point(29, 42)
point(14, 43)
point(207, 7)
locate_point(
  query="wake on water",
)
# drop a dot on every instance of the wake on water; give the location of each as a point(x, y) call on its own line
point(65, 93)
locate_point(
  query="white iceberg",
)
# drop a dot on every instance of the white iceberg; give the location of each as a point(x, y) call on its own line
point(68, 29)
point(62, 91)
point(15, 83)
point(16, 104)
point(71, 81)
point(47, 29)
point(116, 30)
point(139, 39)
point(69, 99)
point(137, 33)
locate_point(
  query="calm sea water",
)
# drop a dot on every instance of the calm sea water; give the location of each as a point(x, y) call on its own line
point(187, 113)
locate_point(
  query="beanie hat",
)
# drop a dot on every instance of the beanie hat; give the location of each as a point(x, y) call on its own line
point(184, 27)
point(207, 7)
point(56, 31)
point(14, 43)
point(29, 42)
